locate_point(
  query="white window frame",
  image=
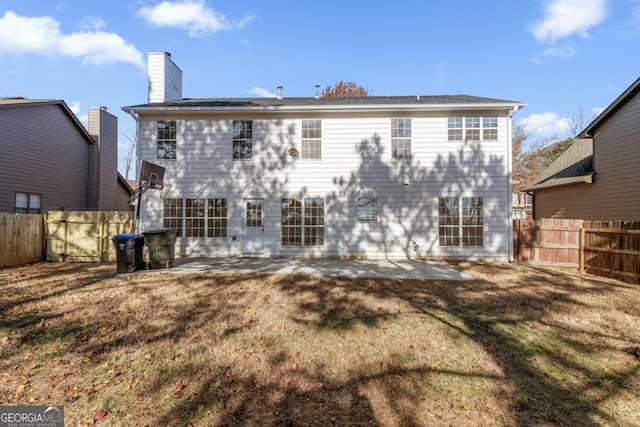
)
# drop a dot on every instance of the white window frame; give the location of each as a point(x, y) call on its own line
point(304, 224)
point(166, 139)
point(367, 209)
point(311, 142)
point(401, 138)
point(242, 138)
point(199, 220)
point(472, 128)
point(459, 219)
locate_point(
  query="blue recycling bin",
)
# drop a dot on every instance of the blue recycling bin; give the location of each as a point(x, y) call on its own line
point(128, 252)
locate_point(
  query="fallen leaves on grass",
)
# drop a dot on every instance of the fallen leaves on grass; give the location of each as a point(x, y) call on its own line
point(99, 415)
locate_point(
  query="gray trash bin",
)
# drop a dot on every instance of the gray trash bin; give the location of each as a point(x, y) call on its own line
point(161, 245)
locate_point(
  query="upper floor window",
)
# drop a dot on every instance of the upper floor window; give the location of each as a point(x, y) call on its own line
point(367, 209)
point(242, 139)
point(166, 136)
point(401, 138)
point(28, 203)
point(312, 139)
point(473, 128)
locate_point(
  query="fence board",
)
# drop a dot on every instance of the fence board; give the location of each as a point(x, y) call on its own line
point(605, 248)
point(80, 236)
point(21, 239)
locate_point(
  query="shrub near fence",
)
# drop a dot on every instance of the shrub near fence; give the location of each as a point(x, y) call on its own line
point(604, 248)
point(21, 239)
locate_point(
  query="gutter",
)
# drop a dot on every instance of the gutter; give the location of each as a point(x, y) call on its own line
point(516, 108)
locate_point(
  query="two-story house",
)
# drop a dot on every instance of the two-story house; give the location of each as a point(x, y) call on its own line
point(378, 176)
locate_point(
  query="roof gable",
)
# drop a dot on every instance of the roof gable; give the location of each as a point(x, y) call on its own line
point(626, 96)
point(574, 166)
point(22, 102)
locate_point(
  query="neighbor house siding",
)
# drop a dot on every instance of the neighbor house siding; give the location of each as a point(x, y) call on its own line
point(103, 167)
point(356, 162)
point(614, 193)
point(44, 153)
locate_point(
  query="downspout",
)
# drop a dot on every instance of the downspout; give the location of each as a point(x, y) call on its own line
point(136, 209)
point(510, 183)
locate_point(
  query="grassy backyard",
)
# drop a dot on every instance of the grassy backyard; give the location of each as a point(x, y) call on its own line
point(518, 346)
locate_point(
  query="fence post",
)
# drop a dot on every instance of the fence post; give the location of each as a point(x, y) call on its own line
point(582, 248)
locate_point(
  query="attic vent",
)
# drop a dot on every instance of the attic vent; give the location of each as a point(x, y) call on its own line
point(279, 92)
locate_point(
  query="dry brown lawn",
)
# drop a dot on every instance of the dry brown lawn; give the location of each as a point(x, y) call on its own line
point(518, 346)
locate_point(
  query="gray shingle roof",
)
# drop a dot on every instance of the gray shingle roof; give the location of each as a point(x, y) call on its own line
point(325, 102)
point(574, 166)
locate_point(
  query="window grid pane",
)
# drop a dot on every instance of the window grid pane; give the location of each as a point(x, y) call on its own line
point(242, 139)
point(313, 222)
point(173, 215)
point(194, 215)
point(367, 209)
point(291, 219)
point(311, 139)
point(401, 138)
point(449, 221)
point(217, 218)
point(254, 214)
point(472, 222)
point(166, 139)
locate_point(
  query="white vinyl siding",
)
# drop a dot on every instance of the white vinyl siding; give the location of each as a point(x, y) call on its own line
point(356, 162)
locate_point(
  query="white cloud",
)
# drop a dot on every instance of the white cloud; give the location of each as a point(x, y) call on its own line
point(564, 52)
point(42, 36)
point(92, 23)
point(564, 18)
point(261, 92)
point(192, 15)
point(75, 109)
point(597, 110)
point(545, 125)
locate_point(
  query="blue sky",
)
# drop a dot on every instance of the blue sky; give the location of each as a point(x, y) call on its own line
point(559, 56)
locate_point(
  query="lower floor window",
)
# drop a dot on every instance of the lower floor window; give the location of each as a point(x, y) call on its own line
point(196, 217)
point(302, 218)
point(28, 203)
point(460, 221)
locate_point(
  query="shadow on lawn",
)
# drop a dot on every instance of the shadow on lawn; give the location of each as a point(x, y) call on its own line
point(485, 310)
point(481, 310)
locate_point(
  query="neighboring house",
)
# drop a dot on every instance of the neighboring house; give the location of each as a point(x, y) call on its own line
point(390, 176)
point(123, 194)
point(52, 162)
point(522, 204)
point(598, 177)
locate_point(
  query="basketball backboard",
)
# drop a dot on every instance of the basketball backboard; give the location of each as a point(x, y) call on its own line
point(152, 175)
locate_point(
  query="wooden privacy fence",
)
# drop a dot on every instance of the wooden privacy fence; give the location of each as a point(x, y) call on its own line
point(21, 239)
point(604, 248)
point(78, 236)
